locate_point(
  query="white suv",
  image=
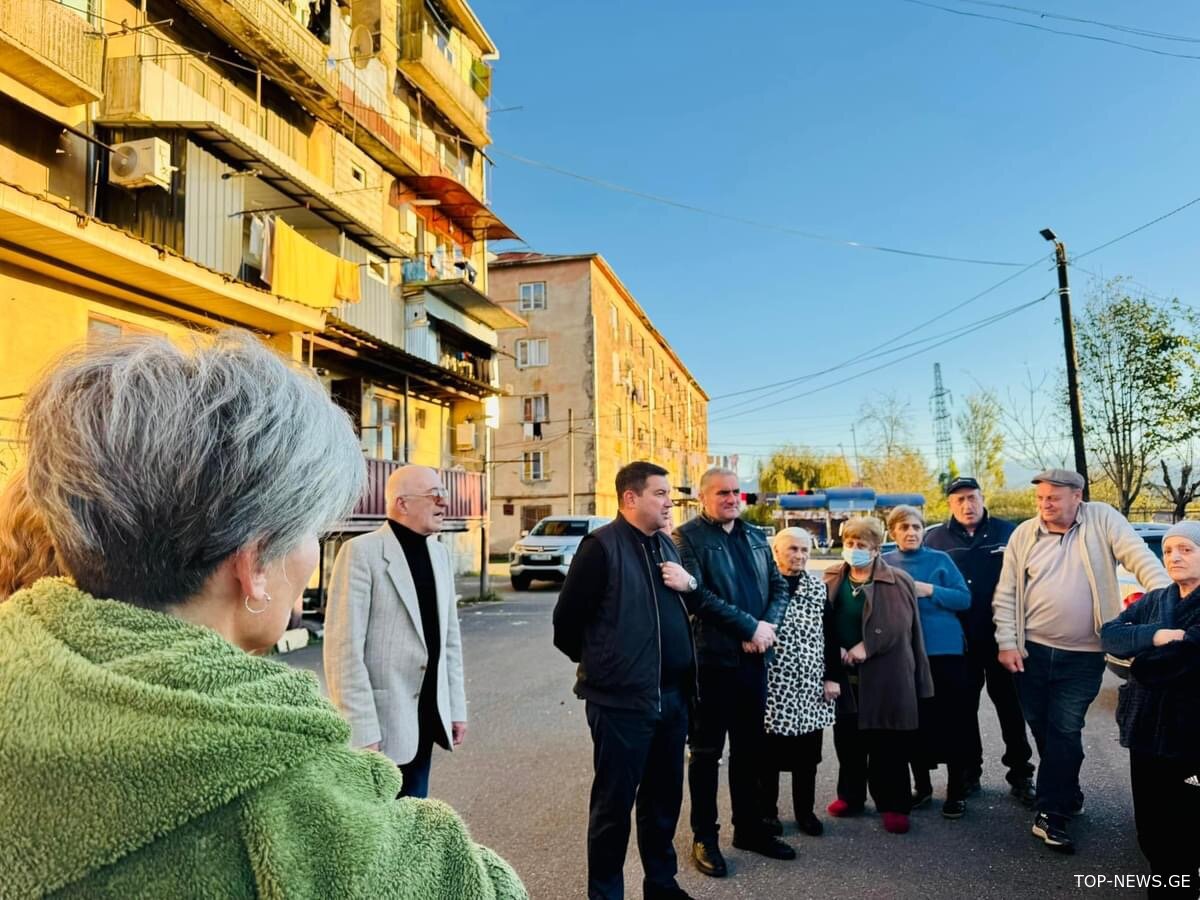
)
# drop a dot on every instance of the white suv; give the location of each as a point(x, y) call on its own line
point(546, 552)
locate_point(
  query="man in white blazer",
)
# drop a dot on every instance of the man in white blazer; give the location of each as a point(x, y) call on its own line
point(393, 652)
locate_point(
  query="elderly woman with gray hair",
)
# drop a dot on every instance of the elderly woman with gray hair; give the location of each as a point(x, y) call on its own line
point(144, 749)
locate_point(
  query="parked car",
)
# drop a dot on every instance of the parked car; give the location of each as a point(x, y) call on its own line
point(545, 553)
point(1131, 591)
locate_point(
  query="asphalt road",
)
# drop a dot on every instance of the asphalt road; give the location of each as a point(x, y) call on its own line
point(521, 783)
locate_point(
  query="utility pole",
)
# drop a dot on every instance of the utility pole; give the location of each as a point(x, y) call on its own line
point(486, 510)
point(1064, 303)
point(857, 470)
point(939, 406)
point(570, 463)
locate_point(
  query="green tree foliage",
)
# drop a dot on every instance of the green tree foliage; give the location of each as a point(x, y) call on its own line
point(793, 468)
point(1137, 368)
point(982, 436)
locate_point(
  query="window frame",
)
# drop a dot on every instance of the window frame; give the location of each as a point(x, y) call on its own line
point(533, 466)
point(523, 349)
point(532, 301)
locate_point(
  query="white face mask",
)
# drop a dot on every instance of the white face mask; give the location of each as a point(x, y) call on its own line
point(856, 557)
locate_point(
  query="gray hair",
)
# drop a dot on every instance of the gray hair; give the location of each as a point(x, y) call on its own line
point(715, 472)
point(800, 534)
point(153, 463)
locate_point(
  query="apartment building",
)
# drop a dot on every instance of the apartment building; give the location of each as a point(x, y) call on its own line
point(590, 385)
point(311, 170)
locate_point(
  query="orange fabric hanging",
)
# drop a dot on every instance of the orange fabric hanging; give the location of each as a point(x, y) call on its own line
point(348, 284)
point(300, 270)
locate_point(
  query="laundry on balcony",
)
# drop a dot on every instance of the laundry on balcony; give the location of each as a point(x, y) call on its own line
point(348, 285)
point(300, 270)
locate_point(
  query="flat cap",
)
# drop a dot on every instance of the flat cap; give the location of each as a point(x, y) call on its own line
point(1062, 477)
point(960, 483)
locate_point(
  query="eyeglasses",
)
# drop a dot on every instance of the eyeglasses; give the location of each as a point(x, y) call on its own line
point(437, 493)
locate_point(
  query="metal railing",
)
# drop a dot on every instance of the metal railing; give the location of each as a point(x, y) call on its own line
point(465, 501)
point(62, 38)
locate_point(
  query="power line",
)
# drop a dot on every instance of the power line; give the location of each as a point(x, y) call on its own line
point(1126, 29)
point(1122, 237)
point(1078, 34)
point(753, 223)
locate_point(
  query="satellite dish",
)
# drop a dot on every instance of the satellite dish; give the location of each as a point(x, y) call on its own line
point(123, 161)
point(362, 46)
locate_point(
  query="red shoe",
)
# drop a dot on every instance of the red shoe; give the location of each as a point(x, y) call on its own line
point(895, 823)
point(839, 809)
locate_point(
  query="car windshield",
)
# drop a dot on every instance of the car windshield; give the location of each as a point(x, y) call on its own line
point(1154, 542)
point(561, 528)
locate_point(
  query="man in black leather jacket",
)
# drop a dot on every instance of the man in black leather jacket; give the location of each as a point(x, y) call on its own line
point(745, 597)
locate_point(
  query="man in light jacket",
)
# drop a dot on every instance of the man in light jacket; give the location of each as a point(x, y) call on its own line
point(398, 682)
point(1057, 587)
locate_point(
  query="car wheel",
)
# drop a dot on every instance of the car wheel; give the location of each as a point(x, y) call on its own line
point(521, 582)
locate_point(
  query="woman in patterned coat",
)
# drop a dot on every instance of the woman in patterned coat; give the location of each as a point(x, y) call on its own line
point(802, 685)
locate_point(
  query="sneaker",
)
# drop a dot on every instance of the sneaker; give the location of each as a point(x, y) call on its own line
point(895, 823)
point(1024, 791)
point(954, 809)
point(810, 825)
point(1077, 806)
point(772, 826)
point(707, 858)
point(764, 844)
point(839, 809)
point(1052, 829)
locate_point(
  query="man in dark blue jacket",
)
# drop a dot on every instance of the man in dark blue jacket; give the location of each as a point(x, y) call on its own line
point(741, 598)
point(622, 615)
point(976, 541)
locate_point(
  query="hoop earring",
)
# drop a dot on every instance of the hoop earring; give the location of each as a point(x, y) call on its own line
point(252, 610)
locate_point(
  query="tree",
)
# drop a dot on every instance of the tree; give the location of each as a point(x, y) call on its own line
point(1037, 431)
point(1186, 486)
point(1137, 361)
point(983, 439)
point(792, 468)
point(890, 419)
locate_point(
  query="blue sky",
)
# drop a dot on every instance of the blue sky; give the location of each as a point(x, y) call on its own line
point(878, 121)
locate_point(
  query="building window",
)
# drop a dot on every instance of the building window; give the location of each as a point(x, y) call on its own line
point(102, 328)
point(618, 416)
point(614, 323)
point(533, 465)
point(629, 333)
point(616, 364)
point(377, 269)
point(357, 173)
point(533, 352)
point(536, 408)
point(531, 515)
point(533, 296)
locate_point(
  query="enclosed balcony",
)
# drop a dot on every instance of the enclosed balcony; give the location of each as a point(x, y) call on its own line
point(51, 49)
point(428, 60)
point(268, 33)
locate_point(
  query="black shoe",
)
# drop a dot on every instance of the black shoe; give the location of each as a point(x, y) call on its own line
point(1077, 806)
point(921, 796)
point(810, 825)
point(954, 809)
point(772, 826)
point(1024, 791)
point(1052, 829)
point(659, 892)
point(707, 858)
point(765, 845)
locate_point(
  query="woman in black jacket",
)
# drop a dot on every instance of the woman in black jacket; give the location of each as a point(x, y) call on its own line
point(1158, 709)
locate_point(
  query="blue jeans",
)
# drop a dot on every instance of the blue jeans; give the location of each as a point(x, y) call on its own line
point(416, 772)
point(1056, 689)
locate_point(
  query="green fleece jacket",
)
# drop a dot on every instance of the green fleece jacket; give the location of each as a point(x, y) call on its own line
point(142, 756)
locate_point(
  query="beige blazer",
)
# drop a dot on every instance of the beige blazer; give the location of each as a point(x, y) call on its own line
point(375, 653)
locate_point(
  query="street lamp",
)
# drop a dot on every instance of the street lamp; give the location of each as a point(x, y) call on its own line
point(1064, 302)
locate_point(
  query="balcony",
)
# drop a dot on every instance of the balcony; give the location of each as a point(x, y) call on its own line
point(425, 58)
point(266, 32)
point(454, 282)
point(52, 50)
point(466, 500)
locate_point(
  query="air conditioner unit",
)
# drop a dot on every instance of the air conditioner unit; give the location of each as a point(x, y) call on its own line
point(143, 163)
point(464, 436)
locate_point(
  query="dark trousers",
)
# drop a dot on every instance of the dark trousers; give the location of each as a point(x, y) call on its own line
point(984, 668)
point(804, 755)
point(875, 758)
point(732, 701)
point(1056, 689)
point(416, 772)
point(944, 735)
point(637, 758)
point(1165, 810)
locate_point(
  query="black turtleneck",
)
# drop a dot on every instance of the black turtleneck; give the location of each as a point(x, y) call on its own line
point(420, 567)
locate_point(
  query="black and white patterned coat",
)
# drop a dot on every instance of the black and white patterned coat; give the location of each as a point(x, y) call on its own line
point(796, 701)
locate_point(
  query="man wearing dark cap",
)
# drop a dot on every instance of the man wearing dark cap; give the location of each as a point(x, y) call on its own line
point(975, 541)
point(1057, 587)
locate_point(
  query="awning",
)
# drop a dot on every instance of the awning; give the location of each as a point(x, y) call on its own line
point(461, 207)
point(65, 244)
point(373, 358)
point(460, 293)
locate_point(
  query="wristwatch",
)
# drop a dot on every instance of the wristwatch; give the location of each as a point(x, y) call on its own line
point(692, 584)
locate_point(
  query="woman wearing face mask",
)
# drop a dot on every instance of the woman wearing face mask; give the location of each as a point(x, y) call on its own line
point(885, 671)
point(946, 716)
point(1158, 710)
